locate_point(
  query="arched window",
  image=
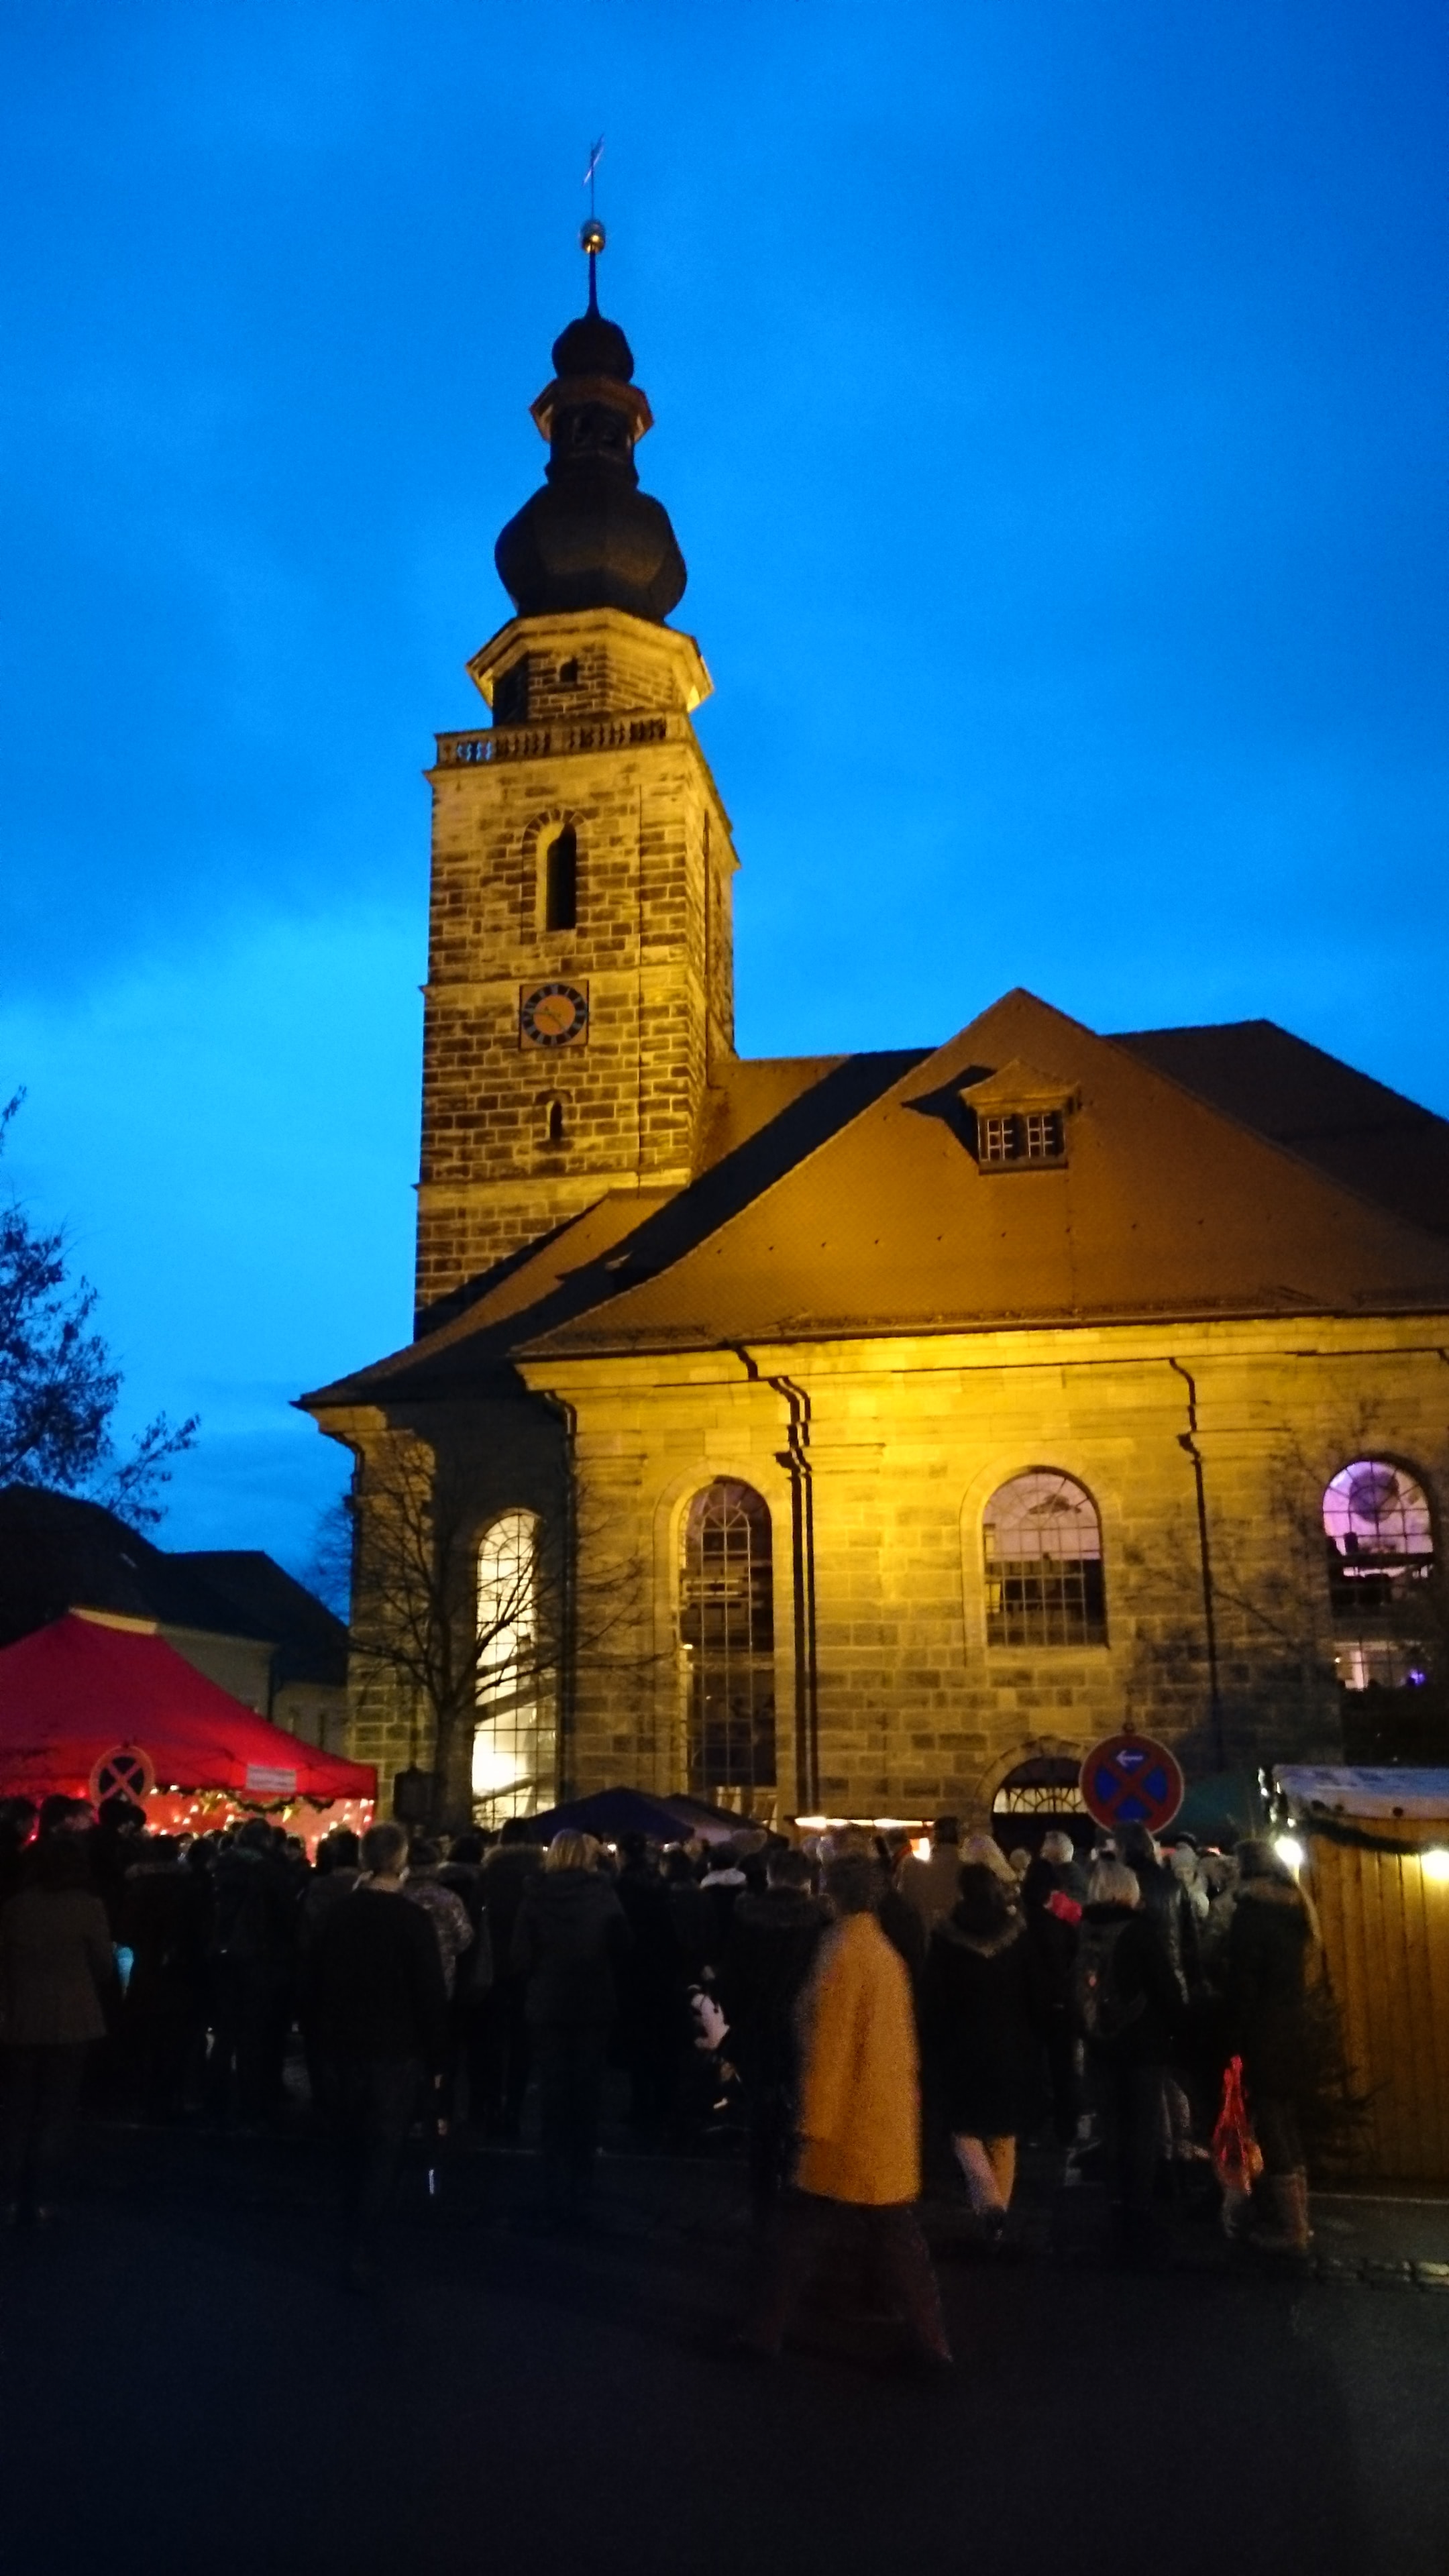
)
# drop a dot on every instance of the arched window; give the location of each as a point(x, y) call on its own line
point(514, 1744)
point(1044, 1564)
point(727, 1626)
point(561, 880)
point(1380, 1540)
point(553, 1122)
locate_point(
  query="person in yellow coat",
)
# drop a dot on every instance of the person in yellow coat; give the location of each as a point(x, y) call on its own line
point(857, 2172)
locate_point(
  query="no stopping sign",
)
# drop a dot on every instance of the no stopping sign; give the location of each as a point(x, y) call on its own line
point(1127, 1779)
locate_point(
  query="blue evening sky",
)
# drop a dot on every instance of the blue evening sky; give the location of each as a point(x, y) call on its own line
point(1051, 408)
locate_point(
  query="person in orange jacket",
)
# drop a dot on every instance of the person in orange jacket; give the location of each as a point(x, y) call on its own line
point(857, 2173)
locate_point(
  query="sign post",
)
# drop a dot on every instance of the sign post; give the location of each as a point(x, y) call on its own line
point(1127, 1779)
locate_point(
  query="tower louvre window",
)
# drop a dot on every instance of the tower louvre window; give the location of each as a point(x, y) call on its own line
point(510, 696)
point(561, 881)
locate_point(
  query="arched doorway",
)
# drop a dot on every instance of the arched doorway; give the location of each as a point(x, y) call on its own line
point(1041, 1794)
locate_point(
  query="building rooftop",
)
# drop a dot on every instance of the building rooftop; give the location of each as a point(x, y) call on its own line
point(1169, 1173)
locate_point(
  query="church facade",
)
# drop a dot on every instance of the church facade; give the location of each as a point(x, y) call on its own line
point(853, 1435)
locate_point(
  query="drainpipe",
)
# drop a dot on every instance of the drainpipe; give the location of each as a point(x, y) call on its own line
point(568, 1593)
point(795, 1460)
point(1187, 1440)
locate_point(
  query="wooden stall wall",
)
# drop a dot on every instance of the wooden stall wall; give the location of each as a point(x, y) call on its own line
point(1385, 1924)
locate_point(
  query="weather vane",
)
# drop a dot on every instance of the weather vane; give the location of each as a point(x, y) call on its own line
point(591, 234)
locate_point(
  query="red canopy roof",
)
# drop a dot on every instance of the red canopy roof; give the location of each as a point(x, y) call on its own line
point(74, 1691)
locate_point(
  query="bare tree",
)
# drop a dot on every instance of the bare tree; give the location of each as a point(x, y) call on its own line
point(1281, 1615)
point(59, 1386)
point(469, 1640)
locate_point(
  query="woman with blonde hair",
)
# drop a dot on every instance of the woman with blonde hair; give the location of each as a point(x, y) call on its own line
point(567, 1941)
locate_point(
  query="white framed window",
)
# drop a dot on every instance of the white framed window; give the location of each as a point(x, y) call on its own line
point(1015, 1137)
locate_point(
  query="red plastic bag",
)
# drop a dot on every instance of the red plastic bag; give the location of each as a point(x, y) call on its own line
point(1237, 2156)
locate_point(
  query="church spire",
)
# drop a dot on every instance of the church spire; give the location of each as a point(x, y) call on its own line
point(591, 538)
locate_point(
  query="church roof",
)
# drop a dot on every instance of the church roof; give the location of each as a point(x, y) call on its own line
point(1207, 1172)
point(1351, 1127)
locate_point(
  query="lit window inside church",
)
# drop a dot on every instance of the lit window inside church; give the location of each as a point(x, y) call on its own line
point(727, 1628)
point(561, 880)
point(1044, 1564)
point(1380, 1539)
point(514, 1743)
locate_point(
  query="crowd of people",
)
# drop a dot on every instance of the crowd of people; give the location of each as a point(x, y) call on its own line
point(852, 2003)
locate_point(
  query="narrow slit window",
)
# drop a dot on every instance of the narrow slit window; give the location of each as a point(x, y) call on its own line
point(561, 881)
point(553, 1122)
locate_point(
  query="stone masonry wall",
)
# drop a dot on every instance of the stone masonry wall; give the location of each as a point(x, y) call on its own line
point(908, 1441)
point(650, 951)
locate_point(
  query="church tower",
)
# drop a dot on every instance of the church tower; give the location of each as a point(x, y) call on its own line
point(580, 993)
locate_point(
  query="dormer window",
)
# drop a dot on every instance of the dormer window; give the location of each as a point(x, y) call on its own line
point(1020, 1116)
point(1026, 1136)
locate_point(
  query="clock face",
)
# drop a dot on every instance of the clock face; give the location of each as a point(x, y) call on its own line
point(552, 1015)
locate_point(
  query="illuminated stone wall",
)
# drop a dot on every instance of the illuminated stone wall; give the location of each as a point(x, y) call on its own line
point(614, 755)
point(908, 1441)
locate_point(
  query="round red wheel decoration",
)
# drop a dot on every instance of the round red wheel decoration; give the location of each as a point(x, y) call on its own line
point(124, 1772)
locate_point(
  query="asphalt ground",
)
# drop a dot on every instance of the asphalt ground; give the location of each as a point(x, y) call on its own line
point(186, 2386)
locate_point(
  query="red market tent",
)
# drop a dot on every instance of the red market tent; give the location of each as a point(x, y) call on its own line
point(77, 1690)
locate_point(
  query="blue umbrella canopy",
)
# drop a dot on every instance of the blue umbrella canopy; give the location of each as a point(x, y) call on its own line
point(609, 1813)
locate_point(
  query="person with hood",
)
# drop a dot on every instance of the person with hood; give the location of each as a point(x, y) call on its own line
point(164, 1922)
point(499, 2055)
point(1129, 2008)
point(57, 1982)
point(1051, 1918)
point(653, 2022)
point(379, 2010)
point(858, 2165)
point(929, 1886)
point(253, 1945)
point(568, 1942)
point(981, 2039)
point(1271, 1952)
point(771, 1949)
point(1167, 1900)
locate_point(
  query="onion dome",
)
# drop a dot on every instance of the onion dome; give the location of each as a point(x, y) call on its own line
point(591, 538)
